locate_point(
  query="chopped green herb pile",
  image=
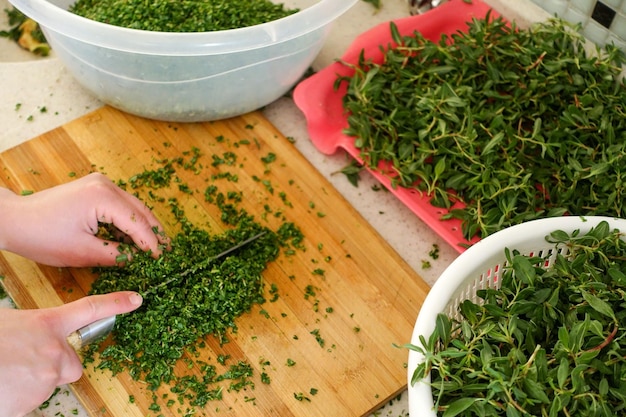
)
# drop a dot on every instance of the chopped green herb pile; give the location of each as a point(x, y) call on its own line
point(182, 15)
point(515, 124)
point(177, 315)
point(206, 302)
point(550, 342)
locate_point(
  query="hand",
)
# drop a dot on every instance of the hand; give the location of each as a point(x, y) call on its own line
point(35, 356)
point(57, 226)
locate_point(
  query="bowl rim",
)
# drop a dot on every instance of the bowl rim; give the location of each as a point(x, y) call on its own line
point(54, 19)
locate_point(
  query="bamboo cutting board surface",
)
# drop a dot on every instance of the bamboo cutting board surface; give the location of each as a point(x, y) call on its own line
point(373, 294)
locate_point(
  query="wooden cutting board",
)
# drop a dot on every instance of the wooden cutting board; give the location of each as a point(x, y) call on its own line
point(373, 294)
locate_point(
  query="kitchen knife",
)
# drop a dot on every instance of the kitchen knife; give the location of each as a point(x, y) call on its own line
point(100, 328)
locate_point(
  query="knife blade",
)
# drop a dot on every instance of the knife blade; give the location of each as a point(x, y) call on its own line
point(100, 328)
point(203, 265)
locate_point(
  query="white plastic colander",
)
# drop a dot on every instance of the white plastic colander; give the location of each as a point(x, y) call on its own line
point(480, 267)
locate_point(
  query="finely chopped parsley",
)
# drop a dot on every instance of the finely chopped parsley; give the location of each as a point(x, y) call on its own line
point(176, 319)
point(182, 15)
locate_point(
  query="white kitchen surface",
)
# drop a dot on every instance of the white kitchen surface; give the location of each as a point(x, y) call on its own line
point(38, 94)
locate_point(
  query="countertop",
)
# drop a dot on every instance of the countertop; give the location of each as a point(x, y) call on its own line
point(38, 94)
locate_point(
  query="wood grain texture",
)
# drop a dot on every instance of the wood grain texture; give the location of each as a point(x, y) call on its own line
point(367, 285)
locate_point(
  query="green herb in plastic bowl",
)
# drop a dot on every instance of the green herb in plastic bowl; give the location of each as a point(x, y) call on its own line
point(183, 15)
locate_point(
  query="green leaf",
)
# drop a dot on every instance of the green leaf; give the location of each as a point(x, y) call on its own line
point(419, 373)
point(511, 411)
point(486, 353)
point(598, 169)
point(536, 390)
point(524, 270)
point(395, 33)
point(601, 230)
point(564, 337)
point(617, 275)
point(536, 127)
point(578, 333)
point(558, 236)
point(458, 406)
point(522, 307)
point(598, 304)
point(443, 328)
point(470, 311)
point(541, 362)
point(440, 167)
point(495, 141)
point(578, 378)
point(441, 69)
point(603, 387)
point(542, 295)
point(555, 407)
point(466, 331)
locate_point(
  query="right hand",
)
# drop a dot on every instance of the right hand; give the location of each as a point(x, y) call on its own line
point(35, 356)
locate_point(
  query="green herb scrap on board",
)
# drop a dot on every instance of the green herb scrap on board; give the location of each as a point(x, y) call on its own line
point(550, 342)
point(514, 123)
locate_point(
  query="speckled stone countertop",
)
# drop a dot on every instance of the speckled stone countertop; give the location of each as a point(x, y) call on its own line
point(38, 94)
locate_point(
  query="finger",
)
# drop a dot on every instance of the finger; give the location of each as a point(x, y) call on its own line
point(85, 311)
point(137, 221)
point(141, 208)
point(91, 251)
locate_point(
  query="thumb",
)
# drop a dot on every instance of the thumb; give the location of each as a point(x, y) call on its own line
point(77, 314)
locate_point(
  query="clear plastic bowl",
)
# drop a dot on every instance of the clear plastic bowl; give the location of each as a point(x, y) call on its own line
point(187, 77)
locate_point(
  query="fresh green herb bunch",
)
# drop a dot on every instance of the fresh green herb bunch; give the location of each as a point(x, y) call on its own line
point(515, 124)
point(550, 342)
point(181, 15)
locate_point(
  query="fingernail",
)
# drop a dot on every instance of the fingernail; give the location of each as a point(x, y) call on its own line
point(136, 299)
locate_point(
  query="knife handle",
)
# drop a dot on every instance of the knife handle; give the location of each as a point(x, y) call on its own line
point(91, 332)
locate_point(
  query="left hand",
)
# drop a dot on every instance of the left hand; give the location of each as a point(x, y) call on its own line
point(57, 226)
